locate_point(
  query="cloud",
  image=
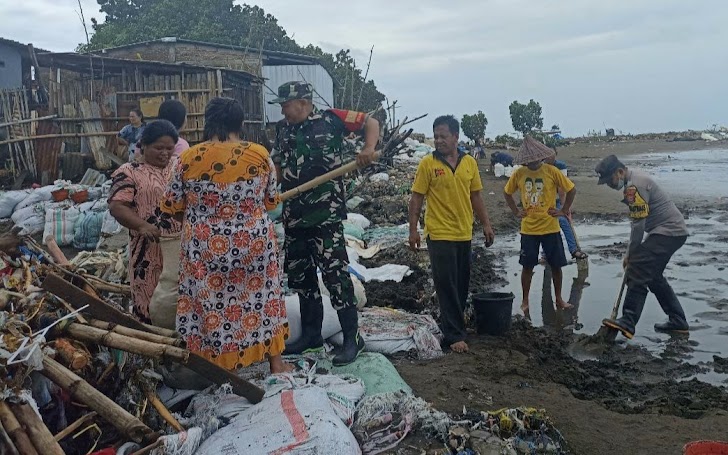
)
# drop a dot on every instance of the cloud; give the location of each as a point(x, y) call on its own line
point(636, 65)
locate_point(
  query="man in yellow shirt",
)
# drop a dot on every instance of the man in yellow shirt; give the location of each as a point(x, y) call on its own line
point(538, 186)
point(450, 182)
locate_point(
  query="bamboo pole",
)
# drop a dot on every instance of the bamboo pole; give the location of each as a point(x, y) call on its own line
point(127, 343)
point(38, 433)
point(162, 410)
point(160, 331)
point(28, 120)
point(7, 443)
point(75, 426)
point(146, 336)
point(15, 431)
point(82, 391)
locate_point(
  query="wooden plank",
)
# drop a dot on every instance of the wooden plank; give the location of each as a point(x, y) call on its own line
point(98, 146)
point(97, 307)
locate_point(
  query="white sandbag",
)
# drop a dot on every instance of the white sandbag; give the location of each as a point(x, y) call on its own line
point(42, 194)
point(19, 215)
point(96, 206)
point(389, 331)
point(110, 226)
point(387, 272)
point(9, 200)
point(379, 177)
point(32, 225)
point(360, 297)
point(163, 305)
point(329, 327)
point(292, 422)
point(60, 221)
point(499, 170)
point(508, 171)
point(359, 220)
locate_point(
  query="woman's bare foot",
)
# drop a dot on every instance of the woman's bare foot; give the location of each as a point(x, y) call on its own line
point(277, 365)
point(562, 305)
point(459, 347)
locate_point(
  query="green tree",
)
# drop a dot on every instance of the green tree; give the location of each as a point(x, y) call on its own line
point(474, 126)
point(526, 117)
point(223, 22)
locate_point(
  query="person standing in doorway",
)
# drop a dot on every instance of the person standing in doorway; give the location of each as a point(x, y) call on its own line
point(130, 135)
point(450, 182)
point(309, 144)
point(651, 212)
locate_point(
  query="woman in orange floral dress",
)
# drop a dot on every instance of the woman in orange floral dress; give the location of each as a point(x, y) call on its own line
point(230, 308)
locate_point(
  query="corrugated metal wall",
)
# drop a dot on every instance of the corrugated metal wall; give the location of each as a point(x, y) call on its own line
point(314, 74)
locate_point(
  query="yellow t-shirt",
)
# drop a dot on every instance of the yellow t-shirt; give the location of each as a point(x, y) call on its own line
point(449, 212)
point(538, 194)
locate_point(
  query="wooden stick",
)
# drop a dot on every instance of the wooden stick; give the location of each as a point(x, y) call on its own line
point(6, 442)
point(146, 336)
point(55, 252)
point(163, 411)
point(338, 172)
point(105, 286)
point(15, 431)
point(97, 307)
point(200, 365)
point(75, 426)
point(83, 391)
point(28, 120)
point(149, 448)
point(37, 431)
point(161, 331)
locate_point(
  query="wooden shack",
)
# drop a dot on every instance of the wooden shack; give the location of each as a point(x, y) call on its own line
point(89, 98)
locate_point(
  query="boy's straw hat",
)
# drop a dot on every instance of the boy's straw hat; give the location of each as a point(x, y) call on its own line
point(532, 150)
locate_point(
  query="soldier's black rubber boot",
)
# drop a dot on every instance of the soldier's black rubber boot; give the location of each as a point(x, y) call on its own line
point(353, 344)
point(312, 317)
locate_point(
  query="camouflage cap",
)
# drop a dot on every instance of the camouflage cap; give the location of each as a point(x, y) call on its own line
point(293, 90)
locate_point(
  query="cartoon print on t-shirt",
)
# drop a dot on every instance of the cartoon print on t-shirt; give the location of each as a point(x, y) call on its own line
point(534, 193)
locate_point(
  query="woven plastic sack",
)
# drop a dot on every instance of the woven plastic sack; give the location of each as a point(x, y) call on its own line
point(87, 231)
point(60, 221)
point(163, 305)
point(9, 200)
point(292, 422)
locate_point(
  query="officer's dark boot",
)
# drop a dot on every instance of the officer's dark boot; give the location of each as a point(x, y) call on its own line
point(634, 303)
point(353, 344)
point(312, 317)
point(671, 306)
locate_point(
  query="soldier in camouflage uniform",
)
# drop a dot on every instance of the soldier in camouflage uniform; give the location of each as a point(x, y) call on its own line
point(309, 144)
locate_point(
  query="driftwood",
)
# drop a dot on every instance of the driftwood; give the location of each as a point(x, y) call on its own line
point(6, 443)
point(15, 431)
point(38, 433)
point(146, 336)
point(83, 392)
point(68, 431)
point(189, 359)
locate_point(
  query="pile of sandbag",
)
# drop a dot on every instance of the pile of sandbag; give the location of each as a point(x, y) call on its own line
point(70, 214)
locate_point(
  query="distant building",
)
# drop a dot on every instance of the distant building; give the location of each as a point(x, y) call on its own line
point(275, 67)
point(14, 64)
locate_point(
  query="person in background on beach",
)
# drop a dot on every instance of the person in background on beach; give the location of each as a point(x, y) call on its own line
point(132, 133)
point(538, 186)
point(651, 212)
point(564, 222)
point(501, 157)
point(176, 113)
point(450, 181)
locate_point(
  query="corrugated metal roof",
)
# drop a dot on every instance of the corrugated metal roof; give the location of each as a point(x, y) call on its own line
point(315, 75)
point(19, 45)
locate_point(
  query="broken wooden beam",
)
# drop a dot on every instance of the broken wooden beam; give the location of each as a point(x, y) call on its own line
point(83, 392)
point(139, 334)
point(15, 431)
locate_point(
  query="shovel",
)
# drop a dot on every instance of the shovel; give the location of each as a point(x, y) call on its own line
point(608, 333)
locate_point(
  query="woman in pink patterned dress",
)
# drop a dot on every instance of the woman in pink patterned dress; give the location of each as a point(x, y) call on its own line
point(230, 308)
point(134, 201)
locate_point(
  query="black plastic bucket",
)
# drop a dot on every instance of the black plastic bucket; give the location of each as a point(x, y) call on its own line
point(493, 312)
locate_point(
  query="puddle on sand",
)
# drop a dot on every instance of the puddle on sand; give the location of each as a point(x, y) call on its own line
point(701, 285)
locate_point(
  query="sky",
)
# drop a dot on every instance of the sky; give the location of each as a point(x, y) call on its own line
point(633, 65)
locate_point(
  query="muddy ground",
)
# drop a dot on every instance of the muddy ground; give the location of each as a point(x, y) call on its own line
point(627, 401)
